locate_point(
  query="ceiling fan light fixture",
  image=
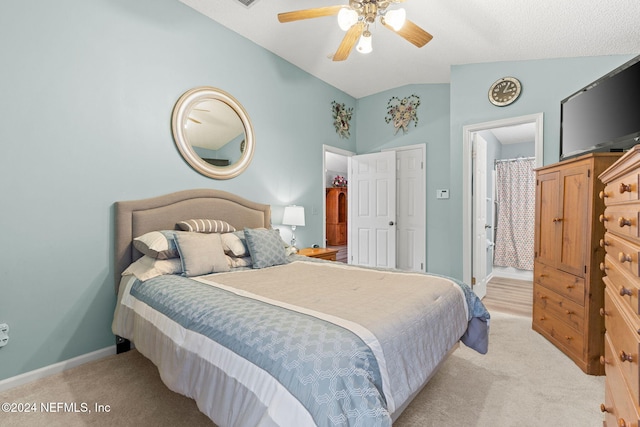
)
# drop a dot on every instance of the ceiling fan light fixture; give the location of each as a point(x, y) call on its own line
point(364, 45)
point(395, 18)
point(347, 18)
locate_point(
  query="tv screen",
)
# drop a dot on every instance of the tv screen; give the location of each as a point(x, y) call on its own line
point(605, 115)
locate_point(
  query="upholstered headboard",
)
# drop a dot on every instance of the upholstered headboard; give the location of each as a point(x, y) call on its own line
point(133, 218)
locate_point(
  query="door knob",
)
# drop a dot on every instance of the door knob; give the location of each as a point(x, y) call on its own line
point(390, 222)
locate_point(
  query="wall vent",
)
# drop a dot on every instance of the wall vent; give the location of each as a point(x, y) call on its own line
point(247, 3)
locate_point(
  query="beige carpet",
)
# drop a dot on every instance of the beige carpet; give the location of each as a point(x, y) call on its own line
point(522, 381)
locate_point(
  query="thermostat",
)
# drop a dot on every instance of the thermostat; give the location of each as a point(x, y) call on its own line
point(442, 194)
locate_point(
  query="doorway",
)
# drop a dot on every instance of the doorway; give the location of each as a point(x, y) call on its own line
point(524, 136)
point(334, 163)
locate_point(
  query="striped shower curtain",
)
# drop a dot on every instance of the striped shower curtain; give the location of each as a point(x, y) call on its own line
point(515, 196)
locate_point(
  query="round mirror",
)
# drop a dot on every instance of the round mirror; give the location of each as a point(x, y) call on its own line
point(213, 132)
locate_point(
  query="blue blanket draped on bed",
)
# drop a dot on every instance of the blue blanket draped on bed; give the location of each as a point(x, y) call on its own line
point(329, 369)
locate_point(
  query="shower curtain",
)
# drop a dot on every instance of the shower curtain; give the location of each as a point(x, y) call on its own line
point(515, 197)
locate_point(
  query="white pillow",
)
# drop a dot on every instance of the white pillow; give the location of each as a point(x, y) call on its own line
point(148, 267)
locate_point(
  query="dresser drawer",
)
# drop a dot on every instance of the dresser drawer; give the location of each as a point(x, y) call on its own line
point(622, 220)
point(624, 252)
point(558, 332)
point(568, 311)
point(624, 189)
point(622, 283)
point(625, 343)
point(618, 401)
point(565, 284)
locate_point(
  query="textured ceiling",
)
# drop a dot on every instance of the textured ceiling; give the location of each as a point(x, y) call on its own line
point(464, 31)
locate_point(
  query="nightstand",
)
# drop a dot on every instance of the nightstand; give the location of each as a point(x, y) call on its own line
point(323, 253)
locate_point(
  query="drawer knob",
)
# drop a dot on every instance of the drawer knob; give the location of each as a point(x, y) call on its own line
point(568, 338)
point(557, 219)
point(623, 222)
point(603, 313)
point(625, 357)
point(603, 195)
point(603, 408)
point(571, 286)
point(624, 291)
point(625, 188)
point(603, 218)
point(604, 243)
point(622, 422)
point(603, 266)
point(603, 361)
point(622, 257)
point(569, 312)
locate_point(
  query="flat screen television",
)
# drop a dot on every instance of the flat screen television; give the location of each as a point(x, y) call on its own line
point(603, 116)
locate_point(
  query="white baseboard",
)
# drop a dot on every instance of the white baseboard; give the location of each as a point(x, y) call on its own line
point(56, 368)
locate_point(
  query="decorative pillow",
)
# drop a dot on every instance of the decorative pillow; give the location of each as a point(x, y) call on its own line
point(157, 244)
point(147, 267)
point(265, 246)
point(201, 253)
point(206, 226)
point(235, 244)
point(235, 262)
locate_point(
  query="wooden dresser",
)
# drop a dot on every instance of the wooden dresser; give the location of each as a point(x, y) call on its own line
point(322, 253)
point(336, 216)
point(622, 283)
point(568, 291)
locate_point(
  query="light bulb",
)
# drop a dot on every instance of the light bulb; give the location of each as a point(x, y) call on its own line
point(395, 18)
point(346, 18)
point(364, 45)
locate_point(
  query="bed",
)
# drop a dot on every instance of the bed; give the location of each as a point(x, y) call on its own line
point(259, 336)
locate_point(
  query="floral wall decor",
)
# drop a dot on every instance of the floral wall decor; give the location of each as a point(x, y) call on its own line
point(341, 119)
point(402, 111)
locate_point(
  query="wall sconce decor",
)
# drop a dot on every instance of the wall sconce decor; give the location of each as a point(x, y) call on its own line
point(293, 216)
point(402, 111)
point(341, 119)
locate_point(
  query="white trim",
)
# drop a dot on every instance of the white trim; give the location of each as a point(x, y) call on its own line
point(467, 138)
point(56, 368)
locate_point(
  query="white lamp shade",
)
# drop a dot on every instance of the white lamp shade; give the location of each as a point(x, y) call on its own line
point(364, 45)
point(346, 18)
point(395, 18)
point(293, 215)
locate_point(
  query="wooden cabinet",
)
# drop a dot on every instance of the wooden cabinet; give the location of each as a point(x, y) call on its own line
point(336, 216)
point(621, 242)
point(568, 291)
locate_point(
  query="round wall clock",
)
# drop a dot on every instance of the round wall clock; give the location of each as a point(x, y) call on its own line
point(505, 91)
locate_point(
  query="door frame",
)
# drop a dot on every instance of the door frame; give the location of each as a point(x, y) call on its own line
point(467, 175)
point(328, 149)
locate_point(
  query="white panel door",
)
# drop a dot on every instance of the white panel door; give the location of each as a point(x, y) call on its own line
point(411, 209)
point(372, 209)
point(479, 257)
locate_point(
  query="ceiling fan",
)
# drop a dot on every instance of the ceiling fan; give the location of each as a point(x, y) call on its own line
point(355, 20)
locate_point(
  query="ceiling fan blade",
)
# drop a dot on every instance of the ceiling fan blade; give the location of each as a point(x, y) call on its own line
point(412, 33)
point(349, 41)
point(309, 13)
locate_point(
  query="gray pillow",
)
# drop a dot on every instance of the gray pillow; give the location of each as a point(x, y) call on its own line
point(265, 247)
point(201, 253)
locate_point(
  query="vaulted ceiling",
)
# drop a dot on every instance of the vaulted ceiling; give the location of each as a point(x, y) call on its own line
point(464, 32)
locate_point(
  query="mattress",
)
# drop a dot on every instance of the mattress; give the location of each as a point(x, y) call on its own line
point(300, 344)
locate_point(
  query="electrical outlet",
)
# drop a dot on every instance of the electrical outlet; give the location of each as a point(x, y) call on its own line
point(4, 334)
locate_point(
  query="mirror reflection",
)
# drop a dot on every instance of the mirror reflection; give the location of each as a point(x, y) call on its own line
point(213, 132)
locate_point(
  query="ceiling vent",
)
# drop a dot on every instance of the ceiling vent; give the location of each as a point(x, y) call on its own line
point(247, 3)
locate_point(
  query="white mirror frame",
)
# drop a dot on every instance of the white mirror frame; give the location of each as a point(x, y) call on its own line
point(179, 119)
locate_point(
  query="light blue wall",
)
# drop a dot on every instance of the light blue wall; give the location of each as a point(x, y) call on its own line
point(87, 93)
point(545, 83)
point(374, 134)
